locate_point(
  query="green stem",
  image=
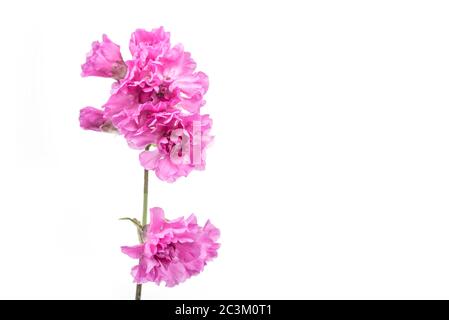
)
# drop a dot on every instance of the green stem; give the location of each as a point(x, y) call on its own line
point(138, 291)
point(145, 198)
point(144, 218)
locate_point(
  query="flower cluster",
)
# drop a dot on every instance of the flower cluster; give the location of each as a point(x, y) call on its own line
point(172, 251)
point(155, 102)
point(155, 105)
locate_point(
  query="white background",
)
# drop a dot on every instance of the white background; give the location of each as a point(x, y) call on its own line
point(329, 173)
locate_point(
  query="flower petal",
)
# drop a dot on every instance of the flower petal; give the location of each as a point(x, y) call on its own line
point(134, 252)
point(149, 159)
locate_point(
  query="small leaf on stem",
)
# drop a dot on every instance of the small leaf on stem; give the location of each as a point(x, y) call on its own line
point(134, 221)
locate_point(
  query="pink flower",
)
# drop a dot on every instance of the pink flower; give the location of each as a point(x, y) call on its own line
point(162, 76)
point(156, 101)
point(104, 60)
point(173, 251)
point(91, 119)
point(180, 148)
point(146, 45)
point(177, 74)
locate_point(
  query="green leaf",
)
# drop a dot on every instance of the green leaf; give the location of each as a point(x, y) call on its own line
point(134, 221)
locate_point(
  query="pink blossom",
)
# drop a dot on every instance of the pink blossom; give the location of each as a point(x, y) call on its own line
point(173, 251)
point(104, 60)
point(146, 45)
point(91, 119)
point(180, 148)
point(156, 101)
point(177, 73)
point(141, 124)
point(162, 76)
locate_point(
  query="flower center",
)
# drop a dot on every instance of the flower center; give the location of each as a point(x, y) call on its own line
point(175, 139)
point(155, 95)
point(165, 253)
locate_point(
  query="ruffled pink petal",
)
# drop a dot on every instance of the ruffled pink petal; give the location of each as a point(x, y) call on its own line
point(156, 219)
point(166, 170)
point(212, 232)
point(176, 273)
point(139, 274)
point(134, 252)
point(144, 44)
point(192, 89)
point(149, 159)
point(188, 252)
point(177, 63)
point(149, 264)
